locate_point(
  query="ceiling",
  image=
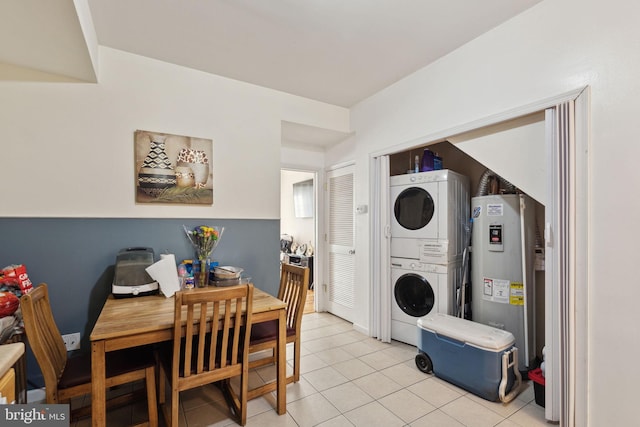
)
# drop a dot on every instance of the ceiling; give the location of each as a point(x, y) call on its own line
point(334, 51)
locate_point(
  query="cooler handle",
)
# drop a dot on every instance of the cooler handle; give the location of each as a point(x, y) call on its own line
point(513, 352)
point(450, 340)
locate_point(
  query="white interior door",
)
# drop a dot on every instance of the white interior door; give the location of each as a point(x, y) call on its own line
point(340, 243)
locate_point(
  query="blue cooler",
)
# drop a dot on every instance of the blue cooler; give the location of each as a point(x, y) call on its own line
point(473, 356)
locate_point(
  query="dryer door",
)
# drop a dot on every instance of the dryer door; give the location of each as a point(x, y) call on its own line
point(414, 295)
point(414, 211)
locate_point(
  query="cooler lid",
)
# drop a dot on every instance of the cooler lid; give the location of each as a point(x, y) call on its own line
point(476, 334)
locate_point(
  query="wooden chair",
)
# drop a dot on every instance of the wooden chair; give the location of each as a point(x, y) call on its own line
point(68, 377)
point(206, 351)
point(294, 282)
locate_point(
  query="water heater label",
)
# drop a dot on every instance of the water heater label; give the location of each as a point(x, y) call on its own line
point(517, 294)
point(488, 288)
point(495, 209)
point(496, 290)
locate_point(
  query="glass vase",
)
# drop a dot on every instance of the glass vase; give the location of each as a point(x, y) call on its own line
point(201, 273)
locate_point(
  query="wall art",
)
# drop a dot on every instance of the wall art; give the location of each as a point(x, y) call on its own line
point(173, 168)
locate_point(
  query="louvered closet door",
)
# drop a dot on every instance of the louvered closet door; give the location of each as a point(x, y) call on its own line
point(340, 242)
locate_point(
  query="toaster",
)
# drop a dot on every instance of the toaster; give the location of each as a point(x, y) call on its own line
point(131, 278)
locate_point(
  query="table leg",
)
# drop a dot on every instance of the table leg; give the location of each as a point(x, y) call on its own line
point(98, 390)
point(282, 363)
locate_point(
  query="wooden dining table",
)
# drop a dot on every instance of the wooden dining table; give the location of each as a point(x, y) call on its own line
point(132, 322)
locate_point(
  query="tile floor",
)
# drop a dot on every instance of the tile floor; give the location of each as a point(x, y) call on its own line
point(349, 379)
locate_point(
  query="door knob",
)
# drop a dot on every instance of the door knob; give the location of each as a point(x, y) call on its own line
point(352, 251)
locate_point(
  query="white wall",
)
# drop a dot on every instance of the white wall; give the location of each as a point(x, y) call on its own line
point(68, 148)
point(516, 151)
point(299, 158)
point(553, 48)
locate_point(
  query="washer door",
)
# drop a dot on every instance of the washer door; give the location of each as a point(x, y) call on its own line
point(413, 208)
point(414, 295)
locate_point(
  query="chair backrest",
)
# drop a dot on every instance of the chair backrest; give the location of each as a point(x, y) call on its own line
point(44, 338)
point(294, 281)
point(211, 335)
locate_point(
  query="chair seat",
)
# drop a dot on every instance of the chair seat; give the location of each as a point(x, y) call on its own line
point(78, 368)
point(267, 331)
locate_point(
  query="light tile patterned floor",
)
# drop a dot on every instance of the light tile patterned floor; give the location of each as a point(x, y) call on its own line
point(349, 379)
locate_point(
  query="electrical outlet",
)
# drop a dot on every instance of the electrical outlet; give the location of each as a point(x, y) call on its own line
point(72, 341)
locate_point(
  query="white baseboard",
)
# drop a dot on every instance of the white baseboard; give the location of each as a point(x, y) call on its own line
point(361, 329)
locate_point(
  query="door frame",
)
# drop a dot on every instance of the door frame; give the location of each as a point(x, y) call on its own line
point(577, 385)
point(318, 200)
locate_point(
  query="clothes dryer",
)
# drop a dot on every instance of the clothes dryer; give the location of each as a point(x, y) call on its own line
point(417, 290)
point(429, 218)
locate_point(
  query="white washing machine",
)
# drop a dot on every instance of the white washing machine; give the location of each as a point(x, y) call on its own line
point(417, 290)
point(429, 217)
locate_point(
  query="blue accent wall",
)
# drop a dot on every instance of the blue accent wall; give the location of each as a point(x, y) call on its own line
point(76, 257)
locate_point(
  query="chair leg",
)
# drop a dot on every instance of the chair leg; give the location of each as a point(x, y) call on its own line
point(171, 419)
point(175, 405)
point(151, 396)
point(296, 359)
point(244, 389)
point(162, 382)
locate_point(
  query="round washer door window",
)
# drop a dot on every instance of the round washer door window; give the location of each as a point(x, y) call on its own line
point(414, 295)
point(413, 208)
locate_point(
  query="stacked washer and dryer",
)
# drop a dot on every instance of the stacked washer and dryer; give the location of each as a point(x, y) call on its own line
point(429, 226)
